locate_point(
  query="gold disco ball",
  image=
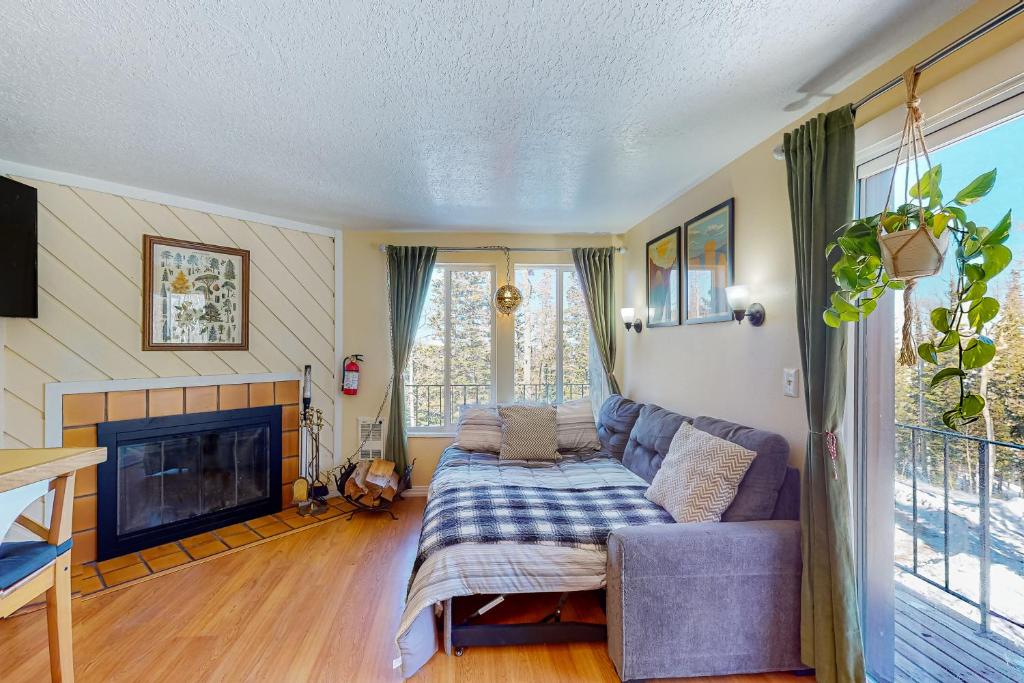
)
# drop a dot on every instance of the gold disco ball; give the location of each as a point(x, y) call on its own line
point(507, 299)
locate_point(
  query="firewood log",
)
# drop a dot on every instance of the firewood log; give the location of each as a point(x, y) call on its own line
point(356, 484)
point(391, 489)
point(380, 473)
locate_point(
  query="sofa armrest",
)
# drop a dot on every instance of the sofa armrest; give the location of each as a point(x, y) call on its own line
point(704, 599)
point(711, 548)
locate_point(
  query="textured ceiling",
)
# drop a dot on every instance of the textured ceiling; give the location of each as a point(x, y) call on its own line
point(550, 115)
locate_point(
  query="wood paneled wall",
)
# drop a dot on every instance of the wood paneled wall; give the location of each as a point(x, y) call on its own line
point(90, 303)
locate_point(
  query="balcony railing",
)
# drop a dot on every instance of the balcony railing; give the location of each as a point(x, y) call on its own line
point(425, 404)
point(547, 392)
point(969, 477)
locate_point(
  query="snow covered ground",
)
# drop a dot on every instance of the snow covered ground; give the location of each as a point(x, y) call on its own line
point(964, 539)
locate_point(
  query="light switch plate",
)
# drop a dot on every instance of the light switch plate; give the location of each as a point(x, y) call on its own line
point(790, 385)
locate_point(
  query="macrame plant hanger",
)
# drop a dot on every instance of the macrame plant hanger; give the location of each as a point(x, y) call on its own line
point(913, 144)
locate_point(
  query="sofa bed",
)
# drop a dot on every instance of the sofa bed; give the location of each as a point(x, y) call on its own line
point(688, 599)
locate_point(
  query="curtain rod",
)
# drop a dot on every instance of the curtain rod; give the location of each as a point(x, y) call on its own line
point(946, 51)
point(1009, 13)
point(619, 250)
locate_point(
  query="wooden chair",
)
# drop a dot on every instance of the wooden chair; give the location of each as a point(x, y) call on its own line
point(30, 568)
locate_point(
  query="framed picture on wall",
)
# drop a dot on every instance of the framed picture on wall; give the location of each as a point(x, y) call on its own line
point(708, 254)
point(663, 258)
point(195, 297)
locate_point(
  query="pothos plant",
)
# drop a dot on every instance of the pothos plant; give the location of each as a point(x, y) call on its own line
point(980, 254)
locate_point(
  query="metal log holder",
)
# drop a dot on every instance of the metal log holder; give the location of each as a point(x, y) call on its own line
point(380, 504)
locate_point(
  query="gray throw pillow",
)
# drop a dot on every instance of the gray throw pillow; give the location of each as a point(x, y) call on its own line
point(528, 433)
point(576, 428)
point(479, 430)
point(700, 475)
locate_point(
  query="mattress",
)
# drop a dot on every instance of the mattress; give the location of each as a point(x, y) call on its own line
point(469, 568)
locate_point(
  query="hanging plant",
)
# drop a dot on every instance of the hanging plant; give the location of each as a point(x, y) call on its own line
point(892, 249)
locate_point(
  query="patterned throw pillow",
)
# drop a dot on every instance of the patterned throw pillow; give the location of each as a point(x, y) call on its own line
point(479, 430)
point(700, 475)
point(577, 430)
point(528, 433)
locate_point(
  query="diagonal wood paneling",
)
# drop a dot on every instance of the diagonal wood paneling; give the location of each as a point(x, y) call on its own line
point(90, 280)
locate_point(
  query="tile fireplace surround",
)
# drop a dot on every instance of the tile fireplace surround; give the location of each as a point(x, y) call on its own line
point(82, 412)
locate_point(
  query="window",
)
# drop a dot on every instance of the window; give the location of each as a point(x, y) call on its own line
point(552, 336)
point(452, 361)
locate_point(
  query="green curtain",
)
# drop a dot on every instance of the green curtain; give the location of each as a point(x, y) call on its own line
point(820, 165)
point(409, 271)
point(595, 267)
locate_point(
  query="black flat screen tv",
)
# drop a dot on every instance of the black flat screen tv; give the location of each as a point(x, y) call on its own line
point(19, 262)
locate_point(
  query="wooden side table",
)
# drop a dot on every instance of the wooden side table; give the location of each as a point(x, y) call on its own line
point(27, 569)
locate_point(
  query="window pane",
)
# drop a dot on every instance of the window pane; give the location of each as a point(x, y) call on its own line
point(470, 339)
point(536, 327)
point(575, 339)
point(424, 377)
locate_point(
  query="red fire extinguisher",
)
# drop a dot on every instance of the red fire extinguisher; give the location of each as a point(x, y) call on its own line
point(350, 375)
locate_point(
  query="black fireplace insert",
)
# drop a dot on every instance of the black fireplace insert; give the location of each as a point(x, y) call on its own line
point(167, 478)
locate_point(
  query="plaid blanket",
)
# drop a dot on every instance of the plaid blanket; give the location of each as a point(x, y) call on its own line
point(578, 518)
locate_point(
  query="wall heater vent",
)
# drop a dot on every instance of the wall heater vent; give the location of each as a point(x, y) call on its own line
point(371, 438)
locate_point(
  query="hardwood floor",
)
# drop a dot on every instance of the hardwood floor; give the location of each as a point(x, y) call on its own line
point(316, 606)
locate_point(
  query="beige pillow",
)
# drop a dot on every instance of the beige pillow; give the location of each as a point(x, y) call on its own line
point(700, 475)
point(575, 425)
point(528, 433)
point(479, 429)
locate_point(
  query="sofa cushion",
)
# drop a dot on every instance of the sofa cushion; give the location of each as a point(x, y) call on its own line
point(759, 490)
point(700, 475)
point(649, 440)
point(615, 422)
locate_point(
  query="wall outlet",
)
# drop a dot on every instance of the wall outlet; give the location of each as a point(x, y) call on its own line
point(790, 385)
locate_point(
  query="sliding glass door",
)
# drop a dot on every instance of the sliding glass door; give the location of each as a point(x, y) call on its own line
point(941, 514)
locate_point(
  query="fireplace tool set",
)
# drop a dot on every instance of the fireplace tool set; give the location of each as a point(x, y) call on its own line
point(310, 490)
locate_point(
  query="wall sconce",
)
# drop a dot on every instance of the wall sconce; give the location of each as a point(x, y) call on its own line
point(631, 321)
point(739, 301)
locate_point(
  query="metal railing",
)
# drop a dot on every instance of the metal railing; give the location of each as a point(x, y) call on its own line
point(985, 463)
point(425, 405)
point(547, 392)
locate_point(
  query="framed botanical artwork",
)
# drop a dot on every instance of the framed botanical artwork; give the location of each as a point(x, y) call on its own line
point(195, 297)
point(708, 253)
point(663, 258)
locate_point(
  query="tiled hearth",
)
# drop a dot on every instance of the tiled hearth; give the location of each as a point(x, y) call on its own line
point(83, 412)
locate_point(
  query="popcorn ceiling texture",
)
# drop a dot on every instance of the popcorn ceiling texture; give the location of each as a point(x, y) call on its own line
point(560, 115)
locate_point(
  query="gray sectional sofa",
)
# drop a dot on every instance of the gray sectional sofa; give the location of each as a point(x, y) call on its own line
point(704, 599)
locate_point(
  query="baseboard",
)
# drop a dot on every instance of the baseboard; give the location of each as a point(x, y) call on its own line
point(415, 492)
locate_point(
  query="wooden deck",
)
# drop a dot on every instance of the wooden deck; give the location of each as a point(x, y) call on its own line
point(933, 644)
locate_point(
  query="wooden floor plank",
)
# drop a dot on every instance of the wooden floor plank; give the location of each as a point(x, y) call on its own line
point(321, 605)
point(962, 626)
point(942, 660)
point(909, 672)
point(955, 645)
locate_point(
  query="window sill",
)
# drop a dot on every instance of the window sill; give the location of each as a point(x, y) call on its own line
point(430, 435)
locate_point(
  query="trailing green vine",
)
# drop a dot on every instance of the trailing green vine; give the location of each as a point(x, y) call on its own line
point(980, 254)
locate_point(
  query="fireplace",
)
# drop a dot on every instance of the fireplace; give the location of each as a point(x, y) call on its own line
point(167, 478)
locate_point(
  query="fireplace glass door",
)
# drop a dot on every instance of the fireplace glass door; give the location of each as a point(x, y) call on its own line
point(171, 477)
point(179, 477)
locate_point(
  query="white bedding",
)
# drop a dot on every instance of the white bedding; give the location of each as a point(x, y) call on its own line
point(472, 568)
